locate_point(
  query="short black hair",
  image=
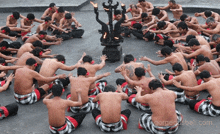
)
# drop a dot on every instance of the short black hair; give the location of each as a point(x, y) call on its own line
point(139, 72)
point(30, 16)
point(166, 50)
point(205, 74)
point(60, 58)
point(68, 16)
point(7, 30)
point(218, 48)
point(154, 84)
point(141, 0)
point(149, 35)
point(36, 52)
point(16, 15)
point(47, 19)
point(116, 12)
point(30, 62)
point(189, 37)
point(52, 4)
point(144, 15)
point(173, 1)
point(177, 67)
point(2, 60)
point(207, 59)
point(128, 58)
point(200, 58)
point(87, 58)
point(183, 17)
point(182, 25)
point(193, 42)
point(210, 19)
point(4, 44)
point(132, 5)
point(161, 24)
point(168, 43)
point(155, 11)
point(38, 44)
point(60, 10)
point(137, 26)
point(43, 32)
point(57, 90)
point(208, 13)
point(109, 88)
point(81, 71)
point(215, 37)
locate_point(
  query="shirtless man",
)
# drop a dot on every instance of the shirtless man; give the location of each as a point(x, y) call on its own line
point(187, 78)
point(170, 57)
point(111, 118)
point(175, 8)
point(210, 106)
point(118, 15)
point(161, 14)
point(59, 123)
point(67, 21)
point(134, 10)
point(164, 117)
point(58, 15)
point(8, 110)
point(143, 82)
point(50, 66)
point(49, 11)
point(208, 14)
point(129, 64)
point(24, 90)
point(146, 7)
point(82, 82)
point(4, 32)
point(212, 27)
point(88, 63)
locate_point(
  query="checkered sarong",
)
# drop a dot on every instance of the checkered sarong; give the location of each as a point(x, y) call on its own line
point(126, 89)
point(100, 86)
point(146, 122)
point(3, 113)
point(207, 108)
point(182, 98)
point(139, 106)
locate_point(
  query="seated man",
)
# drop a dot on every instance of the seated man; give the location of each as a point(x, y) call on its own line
point(164, 117)
point(129, 64)
point(58, 15)
point(187, 78)
point(5, 83)
point(170, 57)
point(111, 118)
point(134, 10)
point(4, 34)
point(143, 82)
point(49, 11)
point(8, 110)
point(208, 14)
point(59, 123)
point(146, 7)
point(175, 8)
point(161, 14)
point(211, 105)
point(212, 27)
point(24, 90)
point(82, 82)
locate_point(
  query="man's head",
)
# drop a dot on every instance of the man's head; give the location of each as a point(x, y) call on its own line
point(189, 37)
point(141, 2)
point(166, 51)
point(149, 36)
point(4, 45)
point(60, 10)
point(216, 38)
point(87, 58)
point(183, 17)
point(2, 62)
point(52, 5)
point(156, 11)
point(117, 13)
point(47, 20)
point(139, 72)
point(16, 15)
point(42, 34)
point(204, 75)
point(30, 16)
point(182, 26)
point(177, 68)
point(31, 63)
point(200, 59)
point(161, 25)
point(171, 2)
point(208, 13)
point(109, 88)
point(68, 16)
point(168, 43)
point(154, 84)
point(38, 44)
point(144, 16)
point(37, 52)
point(133, 7)
point(60, 58)
point(193, 43)
point(5, 30)
point(81, 71)
point(128, 58)
point(218, 48)
point(57, 90)
point(210, 21)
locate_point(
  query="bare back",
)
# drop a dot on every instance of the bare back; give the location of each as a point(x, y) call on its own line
point(24, 48)
point(22, 60)
point(178, 58)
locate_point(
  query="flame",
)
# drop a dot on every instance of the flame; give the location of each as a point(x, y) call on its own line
point(104, 37)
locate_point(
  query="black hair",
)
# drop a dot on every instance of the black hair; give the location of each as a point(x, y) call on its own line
point(200, 58)
point(218, 48)
point(154, 84)
point(4, 44)
point(208, 13)
point(177, 67)
point(109, 88)
point(182, 25)
point(144, 15)
point(68, 16)
point(60, 58)
point(47, 19)
point(207, 59)
point(30, 62)
point(204, 74)
point(189, 37)
point(2, 60)
point(81, 71)
point(57, 90)
point(36, 51)
point(43, 32)
point(133, 5)
point(116, 12)
point(166, 50)
point(87, 58)
point(210, 19)
point(215, 37)
point(193, 42)
point(141, 0)
point(52, 4)
point(173, 1)
point(137, 26)
point(31, 16)
point(38, 44)
point(150, 36)
point(183, 17)
point(16, 15)
point(139, 72)
point(161, 24)
point(7, 30)
point(168, 43)
point(156, 11)
point(60, 10)
point(128, 58)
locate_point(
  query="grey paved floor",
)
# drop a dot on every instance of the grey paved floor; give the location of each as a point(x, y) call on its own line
point(33, 119)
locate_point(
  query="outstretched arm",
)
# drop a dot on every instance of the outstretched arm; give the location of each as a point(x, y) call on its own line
point(160, 62)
